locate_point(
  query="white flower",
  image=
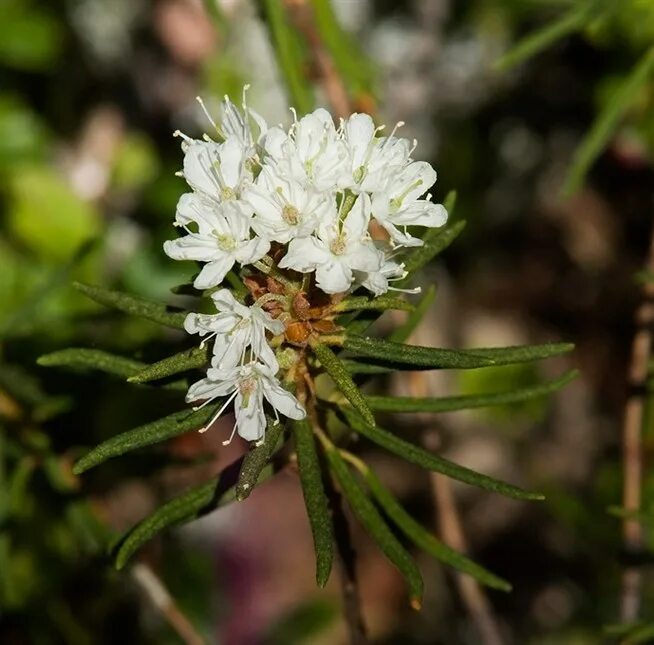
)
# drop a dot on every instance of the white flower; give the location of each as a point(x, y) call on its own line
point(312, 152)
point(284, 208)
point(370, 158)
point(397, 204)
point(378, 281)
point(248, 385)
point(236, 123)
point(336, 250)
point(221, 239)
point(217, 171)
point(235, 328)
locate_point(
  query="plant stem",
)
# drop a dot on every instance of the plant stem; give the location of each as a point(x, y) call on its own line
point(632, 445)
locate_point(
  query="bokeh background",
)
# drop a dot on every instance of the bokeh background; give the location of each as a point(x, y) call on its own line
point(90, 94)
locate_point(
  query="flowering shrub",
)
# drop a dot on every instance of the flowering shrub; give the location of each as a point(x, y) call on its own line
point(315, 231)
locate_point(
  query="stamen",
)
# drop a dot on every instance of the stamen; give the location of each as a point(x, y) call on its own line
point(204, 341)
point(206, 112)
point(205, 427)
point(179, 133)
point(231, 436)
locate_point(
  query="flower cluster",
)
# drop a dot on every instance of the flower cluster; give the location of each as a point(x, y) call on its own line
point(332, 203)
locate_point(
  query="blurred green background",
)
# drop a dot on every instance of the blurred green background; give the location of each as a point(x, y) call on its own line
point(90, 93)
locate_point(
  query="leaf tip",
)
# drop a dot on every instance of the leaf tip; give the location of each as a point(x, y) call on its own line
point(416, 603)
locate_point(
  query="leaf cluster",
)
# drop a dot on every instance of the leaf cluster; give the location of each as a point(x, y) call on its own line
point(322, 458)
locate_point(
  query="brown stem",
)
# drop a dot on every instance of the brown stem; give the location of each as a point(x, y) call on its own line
point(473, 596)
point(330, 79)
point(153, 587)
point(471, 592)
point(632, 447)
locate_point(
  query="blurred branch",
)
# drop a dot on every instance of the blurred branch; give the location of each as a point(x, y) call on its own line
point(632, 446)
point(470, 590)
point(473, 596)
point(303, 17)
point(153, 587)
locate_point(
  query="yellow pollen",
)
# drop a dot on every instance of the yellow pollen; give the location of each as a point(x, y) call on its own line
point(290, 214)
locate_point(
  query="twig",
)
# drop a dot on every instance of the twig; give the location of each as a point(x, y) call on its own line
point(632, 448)
point(330, 79)
point(472, 595)
point(347, 557)
point(153, 587)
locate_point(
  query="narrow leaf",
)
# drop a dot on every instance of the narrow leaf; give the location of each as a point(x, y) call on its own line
point(452, 403)
point(373, 522)
point(256, 459)
point(145, 435)
point(426, 540)
point(94, 359)
point(156, 312)
point(421, 457)
point(434, 357)
point(343, 381)
point(403, 333)
point(382, 303)
point(523, 353)
point(607, 121)
point(190, 359)
point(415, 355)
point(572, 20)
point(192, 504)
point(315, 498)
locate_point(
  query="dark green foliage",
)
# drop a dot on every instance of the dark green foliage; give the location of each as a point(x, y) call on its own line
point(421, 457)
point(146, 435)
point(315, 498)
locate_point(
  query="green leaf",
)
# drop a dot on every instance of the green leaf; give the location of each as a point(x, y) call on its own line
point(382, 303)
point(95, 359)
point(189, 359)
point(373, 522)
point(145, 435)
point(452, 403)
point(343, 381)
point(154, 311)
point(426, 540)
point(414, 355)
point(290, 57)
point(256, 459)
point(421, 457)
point(192, 504)
point(315, 498)
point(572, 20)
point(81, 358)
point(515, 354)
point(401, 334)
point(607, 121)
point(418, 357)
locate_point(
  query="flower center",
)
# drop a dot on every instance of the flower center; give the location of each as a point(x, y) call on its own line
point(227, 193)
point(338, 244)
point(225, 242)
point(290, 214)
point(247, 387)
